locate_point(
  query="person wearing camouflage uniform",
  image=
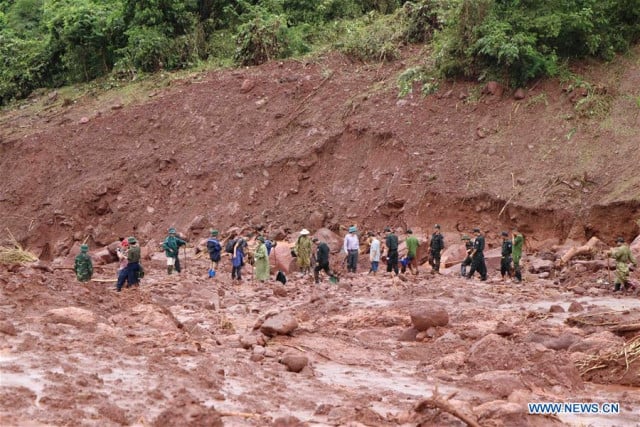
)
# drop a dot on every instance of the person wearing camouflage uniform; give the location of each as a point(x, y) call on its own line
point(83, 266)
point(623, 257)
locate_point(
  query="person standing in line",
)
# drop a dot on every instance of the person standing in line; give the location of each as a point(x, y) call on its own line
point(516, 253)
point(322, 260)
point(436, 247)
point(261, 259)
point(477, 256)
point(133, 265)
point(468, 243)
point(171, 246)
point(83, 266)
point(391, 242)
point(237, 259)
point(122, 258)
point(303, 249)
point(412, 252)
point(505, 256)
point(623, 257)
point(214, 248)
point(374, 253)
point(351, 248)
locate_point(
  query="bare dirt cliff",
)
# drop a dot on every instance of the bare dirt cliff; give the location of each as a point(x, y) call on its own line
point(326, 141)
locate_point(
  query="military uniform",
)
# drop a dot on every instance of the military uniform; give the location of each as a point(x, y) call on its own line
point(171, 246)
point(518, 241)
point(412, 252)
point(505, 260)
point(477, 257)
point(623, 257)
point(436, 246)
point(391, 242)
point(83, 266)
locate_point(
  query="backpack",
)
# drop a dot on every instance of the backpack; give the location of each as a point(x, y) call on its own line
point(213, 246)
point(268, 245)
point(228, 248)
point(280, 277)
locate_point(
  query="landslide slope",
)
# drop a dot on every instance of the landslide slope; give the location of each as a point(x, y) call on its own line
point(325, 141)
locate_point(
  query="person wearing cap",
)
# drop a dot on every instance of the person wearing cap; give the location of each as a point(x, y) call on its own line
point(412, 252)
point(171, 246)
point(131, 271)
point(516, 253)
point(261, 260)
point(436, 246)
point(83, 266)
point(477, 256)
point(505, 255)
point(623, 257)
point(391, 243)
point(302, 250)
point(214, 248)
point(122, 257)
point(352, 247)
point(374, 252)
point(237, 258)
point(322, 260)
point(468, 243)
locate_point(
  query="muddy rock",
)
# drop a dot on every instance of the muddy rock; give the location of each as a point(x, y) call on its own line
point(75, 316)
point(493, 88)
point(7, 328)
point(330, 238)
point(193, 413)
point(288, 421)
point(538, 266)
point(248, 341)
point(280, 324)
point(408, 334)
point(556, 308)
point(508, 413)
point(575, 307)
point(280, 291)
point(452, 361)
point(316, 220)
point(598, 343)
point(429, 315)
point(499, 383)
point(247, 85)
point(494, 352)
point(294, 362)
point(283, 260)
point(103, 256)
point(504, 329)
point(561, 342)
point(114, 413)
point(519, 94)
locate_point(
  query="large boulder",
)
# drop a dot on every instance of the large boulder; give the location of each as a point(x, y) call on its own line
point(75, 316)
point(453, 254)
point(280, 258)
point(539, 265)
point(334, 241)
point(294, 362)
point(428, 315)
point(280, 324)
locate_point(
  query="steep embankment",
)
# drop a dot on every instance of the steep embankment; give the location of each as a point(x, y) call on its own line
point(325, 142)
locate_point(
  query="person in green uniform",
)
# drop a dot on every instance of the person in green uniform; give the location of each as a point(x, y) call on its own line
point(303, 251)
point(505, 255)
point(412, 252)
point(516, 253)
point(171, 246)
point(83, 266)
point(623, 257)
point(261, 261)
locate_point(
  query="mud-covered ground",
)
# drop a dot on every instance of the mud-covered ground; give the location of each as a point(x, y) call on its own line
point(189, 350)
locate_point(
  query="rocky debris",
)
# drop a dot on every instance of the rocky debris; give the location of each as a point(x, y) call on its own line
point(499, 383)
point(294, 362)
point(114, 413)
point(408, 334)
point(280, 291)
point(519, 94)
point(430, 314)
point(247, 85)
point(493, 88)
point(494, 352)
point(538, 266)
point(508, 413)
point(288, 421)
point(250, 341)
point(279, 324)
point(281, 258)
point(330, 238)
point(556, 308)
point(597, 343)
point(191, 413)
point(7, 327)
point(504, 330)
point(74, 316)
point(561, 342)
point(575, 307)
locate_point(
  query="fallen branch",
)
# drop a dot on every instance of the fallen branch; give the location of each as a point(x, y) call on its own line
point(505, 205)
point(435, 401)
point(626, 328)
point(239, 414)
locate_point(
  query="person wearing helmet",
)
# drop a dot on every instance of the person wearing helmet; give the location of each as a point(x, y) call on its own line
point(623, 257)
point(351, 248)
point(83, 266)
point(171, 246)
point(302, 249)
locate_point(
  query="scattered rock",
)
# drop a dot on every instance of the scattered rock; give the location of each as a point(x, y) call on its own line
point(114, 413)
point(288, 421)
point(280, 291)
point(508, 413)
point(575, 307)
point(247, 85)
point(429, 315)
point(519, 94)
point(6, 327)
point(75, 316)
point(408, 334)
point(493, 88)
point(295, 363)
point(504, 330)
point(556, 308)
point(500, 383)
point(280, 324)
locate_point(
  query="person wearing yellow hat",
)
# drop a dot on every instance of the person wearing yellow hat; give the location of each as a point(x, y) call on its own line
point(83, 266)
point(302, 250)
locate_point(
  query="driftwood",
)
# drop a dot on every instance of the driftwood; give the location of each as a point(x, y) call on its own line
point(435, 401)
point(591, 248)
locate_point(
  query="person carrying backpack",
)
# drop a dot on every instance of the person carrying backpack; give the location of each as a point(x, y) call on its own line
point(214, 248)
point(171, 246)
point(237, 258)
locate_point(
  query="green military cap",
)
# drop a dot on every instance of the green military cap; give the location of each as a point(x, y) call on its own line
point(84, 248)
point(465, 237)
point(172, 230)
point(214, 232)
point(260, 239)
point(132, 240)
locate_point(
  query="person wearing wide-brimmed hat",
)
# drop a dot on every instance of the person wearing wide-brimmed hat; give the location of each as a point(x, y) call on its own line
point(302, 250)
point(351, 248)
point(623, 257)
point(83, 266)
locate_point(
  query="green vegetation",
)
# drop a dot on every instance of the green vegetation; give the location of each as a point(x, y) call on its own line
point(49, 43)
